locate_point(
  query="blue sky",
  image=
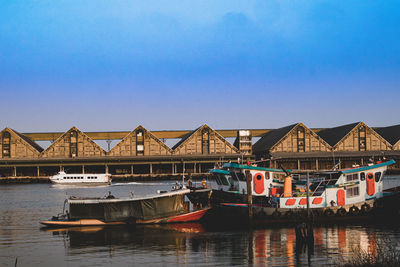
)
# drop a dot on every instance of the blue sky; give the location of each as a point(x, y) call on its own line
point(112, 65)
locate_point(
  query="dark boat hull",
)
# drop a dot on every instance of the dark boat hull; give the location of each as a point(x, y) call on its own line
point(236, 214)
point(181, 218)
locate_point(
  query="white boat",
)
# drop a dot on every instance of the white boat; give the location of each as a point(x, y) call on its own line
point(80, 178)
point(351, 193)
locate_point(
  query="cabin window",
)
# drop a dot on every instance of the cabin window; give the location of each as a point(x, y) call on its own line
point(235, 176)
point(377, 176)
point(205, 141)
point(362, 138)
point(300, 139)
point(362, 176)
point(352, 192)
point(73, 144)
point(241, 176)
point(218, 180)
point(6, 141)
point(139, 142)
point(279, 176)
point(352, 177)
point(224, 181)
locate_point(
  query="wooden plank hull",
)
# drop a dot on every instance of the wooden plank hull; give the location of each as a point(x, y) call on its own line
point(187, 217)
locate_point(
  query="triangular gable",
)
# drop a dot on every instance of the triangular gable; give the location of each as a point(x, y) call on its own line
point(34, 149)
point(216, 143)
point(347, 142)
point(61, 146)
point(152, 145)
point(268, 140)
point(276, 140)
point(336, 134)
point(312, 144)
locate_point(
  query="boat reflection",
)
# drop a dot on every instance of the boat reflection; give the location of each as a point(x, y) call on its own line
point(275, 246)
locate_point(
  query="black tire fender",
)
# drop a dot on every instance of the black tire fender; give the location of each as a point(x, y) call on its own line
point(341, 212)
point(365, 208)
point(328, 213)
point(354, 210)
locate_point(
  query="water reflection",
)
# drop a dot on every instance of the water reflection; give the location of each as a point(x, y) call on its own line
point(259, 247)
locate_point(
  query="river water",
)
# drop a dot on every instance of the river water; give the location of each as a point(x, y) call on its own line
point(25, 243)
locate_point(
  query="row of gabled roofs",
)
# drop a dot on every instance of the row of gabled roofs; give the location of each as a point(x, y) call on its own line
point(332, 136)
point(183, 140)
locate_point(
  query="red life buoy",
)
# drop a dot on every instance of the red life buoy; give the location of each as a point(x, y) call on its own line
point(370, 184)
point(341, 199)
point(259, 183)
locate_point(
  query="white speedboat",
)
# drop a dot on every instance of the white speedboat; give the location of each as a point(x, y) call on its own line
point(80, 178)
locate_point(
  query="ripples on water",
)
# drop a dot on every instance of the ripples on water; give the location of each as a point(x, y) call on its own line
point(23, 206)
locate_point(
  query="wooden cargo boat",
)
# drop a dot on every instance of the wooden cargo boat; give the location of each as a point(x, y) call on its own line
point(164, 207)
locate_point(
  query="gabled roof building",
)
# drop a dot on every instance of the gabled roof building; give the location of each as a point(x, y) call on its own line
point(73, 144)
point(16, 145)
point(205, 141)
point(289, 139)
point(140, 142)
point(354, 137)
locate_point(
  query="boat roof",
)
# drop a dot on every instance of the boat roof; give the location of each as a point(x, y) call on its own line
point(365, 168)
point(250, 167)
point(127, 199)
point(219, 171)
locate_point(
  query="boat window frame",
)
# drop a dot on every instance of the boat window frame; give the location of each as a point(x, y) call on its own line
point(241, 176)
point(224, 179)
point(377, 176)
point(352, 177)
point(350, 194)
point(217, 179)
point(234, 176)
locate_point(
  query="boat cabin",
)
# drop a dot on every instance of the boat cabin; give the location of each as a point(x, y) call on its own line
point(338, 188)
point(265, 181)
